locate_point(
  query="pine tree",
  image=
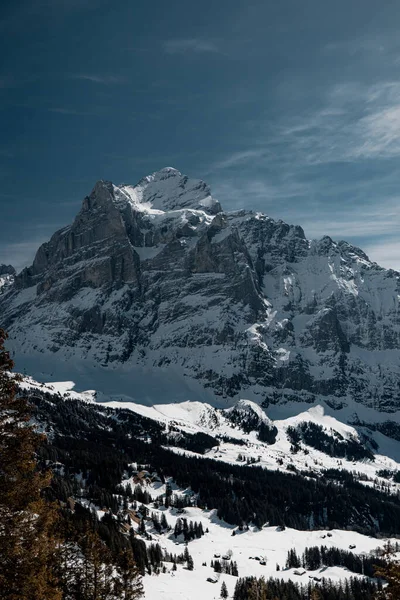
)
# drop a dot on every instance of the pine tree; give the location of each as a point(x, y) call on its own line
point(257, 590)
point(128, 585)
point(142, 527)
point(178, 527)
point(70, 571)
point(168, 494)
point(96, 567)
point(224, 590)
point(28, 546)
point(164, 522)
point(189, 560)
point(391, 574)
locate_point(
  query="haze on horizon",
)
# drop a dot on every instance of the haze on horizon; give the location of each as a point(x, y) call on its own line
point(289, 108)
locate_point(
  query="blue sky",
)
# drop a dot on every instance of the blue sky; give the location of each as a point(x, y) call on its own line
point(289, 107)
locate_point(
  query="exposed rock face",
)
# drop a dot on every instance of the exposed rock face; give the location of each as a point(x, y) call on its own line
point(94, 251)
point(157, 275)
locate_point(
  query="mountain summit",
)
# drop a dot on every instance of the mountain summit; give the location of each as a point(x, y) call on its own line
point(161, 295)
point(168, 189)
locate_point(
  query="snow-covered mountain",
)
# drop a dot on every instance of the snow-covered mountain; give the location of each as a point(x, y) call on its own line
point(155, 294)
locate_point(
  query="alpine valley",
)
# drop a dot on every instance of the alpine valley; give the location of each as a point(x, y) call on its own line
point(217, 388)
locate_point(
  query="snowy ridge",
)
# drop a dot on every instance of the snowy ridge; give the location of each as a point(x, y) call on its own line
point(245, 407)
point(195, 417)
point(62, 388)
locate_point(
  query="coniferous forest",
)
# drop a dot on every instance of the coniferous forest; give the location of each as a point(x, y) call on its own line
point(51, 550)
point(250, 588)
point(101, 445)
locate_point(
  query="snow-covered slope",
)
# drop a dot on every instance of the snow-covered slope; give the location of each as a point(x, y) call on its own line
point(236, 431)
point(157, 295)
point(249, 549)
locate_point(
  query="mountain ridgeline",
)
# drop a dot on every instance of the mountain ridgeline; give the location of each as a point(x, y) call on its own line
point(157, 279)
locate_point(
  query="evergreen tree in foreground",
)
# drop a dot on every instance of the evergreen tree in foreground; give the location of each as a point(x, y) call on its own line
point(28, 546)
point(391, 574)
point(224, 590)
point(129, 585)
point(46, 554)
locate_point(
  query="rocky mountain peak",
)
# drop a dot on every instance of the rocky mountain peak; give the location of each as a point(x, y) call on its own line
point(155, 278)
point(102, 195)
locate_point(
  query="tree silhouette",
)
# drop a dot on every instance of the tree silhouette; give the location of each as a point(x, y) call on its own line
point(224, 590)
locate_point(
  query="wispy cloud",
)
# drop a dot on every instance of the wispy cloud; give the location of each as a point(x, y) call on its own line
point(332, 170)
point(196, 45)
point(349, 123)
point(101, 79)
point(258, 194)
point(363, 45)
point(386, 253)
point(380, 133)
point(376, 219)
point(356, 122)
point(240, 158)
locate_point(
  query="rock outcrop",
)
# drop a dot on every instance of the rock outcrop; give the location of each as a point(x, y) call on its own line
point(7, 274)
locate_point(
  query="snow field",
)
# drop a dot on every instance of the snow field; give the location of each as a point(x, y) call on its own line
point(269, 544)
